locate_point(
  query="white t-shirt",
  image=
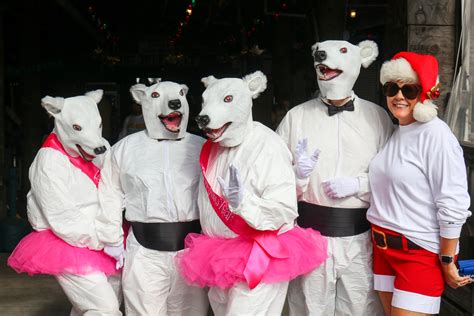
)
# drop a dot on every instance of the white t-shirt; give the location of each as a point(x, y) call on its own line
point(419, 185)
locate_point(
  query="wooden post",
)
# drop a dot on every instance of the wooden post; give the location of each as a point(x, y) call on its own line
point(2, 122)
point(431, 30)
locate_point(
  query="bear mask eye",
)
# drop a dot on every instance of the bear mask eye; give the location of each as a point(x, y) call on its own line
point(181, 92)
point(343, 50)
point(228, 98)
point(155, 95)
point(77, 127)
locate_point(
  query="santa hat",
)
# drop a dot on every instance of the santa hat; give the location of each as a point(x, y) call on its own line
point(419, 69)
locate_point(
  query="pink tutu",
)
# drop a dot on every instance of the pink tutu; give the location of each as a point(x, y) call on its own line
point(44, 253)
point(220, 262)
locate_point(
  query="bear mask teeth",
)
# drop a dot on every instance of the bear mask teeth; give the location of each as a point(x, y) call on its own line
point(171, 121)
point(325, 73)
point(84, 154)
point(214, 134)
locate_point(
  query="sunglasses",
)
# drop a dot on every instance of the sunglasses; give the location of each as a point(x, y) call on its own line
point(409, 91)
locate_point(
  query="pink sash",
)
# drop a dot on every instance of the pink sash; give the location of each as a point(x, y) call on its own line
point(87, 167)
point(266, 244)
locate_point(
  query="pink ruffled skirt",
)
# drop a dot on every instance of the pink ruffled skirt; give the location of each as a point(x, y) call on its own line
point(220, 262)
point(42, 252)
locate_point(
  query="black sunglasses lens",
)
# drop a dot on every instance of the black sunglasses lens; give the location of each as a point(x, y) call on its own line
point(390, 89)
point(410, 91)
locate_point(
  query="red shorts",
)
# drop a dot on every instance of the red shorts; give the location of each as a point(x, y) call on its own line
point(413, 275)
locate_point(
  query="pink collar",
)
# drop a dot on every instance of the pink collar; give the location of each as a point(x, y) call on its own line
point(87, 167)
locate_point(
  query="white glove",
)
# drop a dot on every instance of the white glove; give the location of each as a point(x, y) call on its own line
point(234, 192)
point(341, 187)
point(116, 252)
point(305, 164)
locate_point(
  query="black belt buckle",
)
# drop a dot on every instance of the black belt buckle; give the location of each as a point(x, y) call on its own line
point(380, 238)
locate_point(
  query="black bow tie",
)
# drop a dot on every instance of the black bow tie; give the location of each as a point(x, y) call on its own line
point(332, 109)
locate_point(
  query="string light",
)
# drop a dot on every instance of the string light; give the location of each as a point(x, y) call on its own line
point(182, 24)
point(108, 37)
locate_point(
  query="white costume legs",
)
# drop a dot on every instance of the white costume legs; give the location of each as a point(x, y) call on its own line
point(116, 282)
point(265, 299)
point(90, 295)
point(296, 299)
point(152, 286)
point(343, 285)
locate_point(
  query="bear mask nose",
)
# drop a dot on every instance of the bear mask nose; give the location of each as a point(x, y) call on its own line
point(174, 104)
point(203, 120)
point(100, 150)
point(320, 56)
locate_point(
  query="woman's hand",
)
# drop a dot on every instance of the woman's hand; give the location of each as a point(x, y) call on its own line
point(452, 278)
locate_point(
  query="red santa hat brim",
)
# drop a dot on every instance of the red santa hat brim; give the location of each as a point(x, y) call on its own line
point(398, 70)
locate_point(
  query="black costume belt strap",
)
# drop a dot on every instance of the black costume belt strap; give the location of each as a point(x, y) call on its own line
point(333, 221)
point(164, 236)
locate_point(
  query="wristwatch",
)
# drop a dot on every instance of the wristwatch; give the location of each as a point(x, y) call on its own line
point(446, 259)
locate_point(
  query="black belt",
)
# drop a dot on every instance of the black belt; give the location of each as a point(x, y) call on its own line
point(384, 240)
point(164, 236)
point(333, 221)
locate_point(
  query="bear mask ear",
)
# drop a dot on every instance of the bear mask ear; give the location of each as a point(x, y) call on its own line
point(207, 81)
point(257, 83)
point(185, 89)
point(52, 105)
point(138, 92)
point(96, 95)
point(314, 48)
point(368, 52)
point(153, 80)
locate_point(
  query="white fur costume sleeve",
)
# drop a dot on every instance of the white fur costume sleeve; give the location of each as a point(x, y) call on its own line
point(269, 193)
point(111, 199)
point(64, 199)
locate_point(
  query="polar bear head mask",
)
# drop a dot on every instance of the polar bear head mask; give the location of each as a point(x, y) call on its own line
point(77, 123)
point(226, 113)
point(338, 63)
point(165, 108)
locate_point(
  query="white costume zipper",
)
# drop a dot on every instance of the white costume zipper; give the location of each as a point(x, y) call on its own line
point(168, 182)
point(338, 146)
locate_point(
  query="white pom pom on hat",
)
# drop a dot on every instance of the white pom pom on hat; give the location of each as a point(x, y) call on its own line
point(420, 69)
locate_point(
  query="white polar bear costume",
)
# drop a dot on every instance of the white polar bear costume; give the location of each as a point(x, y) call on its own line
point(154, 174)
point(249, 248)
point(64, 211)
point(335, 196)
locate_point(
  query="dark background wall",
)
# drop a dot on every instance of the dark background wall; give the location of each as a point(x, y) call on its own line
point(66, 47)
